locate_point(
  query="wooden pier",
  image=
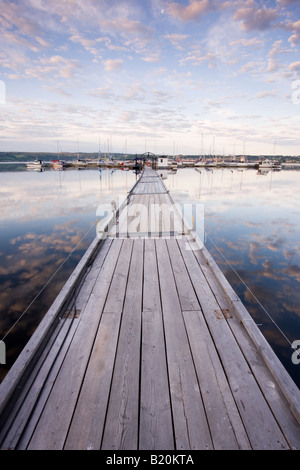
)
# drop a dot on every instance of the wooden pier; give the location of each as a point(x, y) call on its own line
point(147, 347)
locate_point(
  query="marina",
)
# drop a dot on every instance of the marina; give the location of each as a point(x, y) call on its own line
point(164, 162)
point(147, 346)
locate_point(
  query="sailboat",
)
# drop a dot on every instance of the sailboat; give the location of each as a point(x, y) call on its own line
point(36, 165)
point(269, 164)
point(58, 164)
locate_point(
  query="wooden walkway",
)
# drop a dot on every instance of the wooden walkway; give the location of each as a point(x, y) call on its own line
point(153, 351)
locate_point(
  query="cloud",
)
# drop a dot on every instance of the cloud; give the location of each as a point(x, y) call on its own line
point(293, 271)
point(105, 93)
point(295, 66)
point(274, 64)
point(128, 116)
point(13, 59)
point(253, 18)
point(278, 49)
point(55, 65)
point(265, 94)
point(214, 103)
point(135, 92)
point(88, 44)
point(196, 57)
point(250, 66)
point(125, 25)
point(253, 42)
point(153, 57)
point(16, 14)
point(192, 12)
point(176, 39)
point(111, 65)
point(42, 41)
point(58, 90)
point(288, 2)
point(295, 28)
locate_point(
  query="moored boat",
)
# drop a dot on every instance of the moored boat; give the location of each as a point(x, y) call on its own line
point(269, 164)
point(35, 165)
point(58, 164)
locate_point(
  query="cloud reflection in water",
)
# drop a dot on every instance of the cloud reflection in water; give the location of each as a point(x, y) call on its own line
point(43, 217)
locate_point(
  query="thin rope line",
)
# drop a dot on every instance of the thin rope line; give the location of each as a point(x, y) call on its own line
point(248, 288)
point(44, 287)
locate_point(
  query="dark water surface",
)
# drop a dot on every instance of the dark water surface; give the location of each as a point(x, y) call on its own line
point(48, 220)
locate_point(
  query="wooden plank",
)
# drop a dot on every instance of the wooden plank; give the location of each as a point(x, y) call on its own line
point(213, 387)
point(180, 225)
point(167, 216)
point(274, 396)
point(150, 184)
point(227, 430)
point(124, 225)
point(226, 294)
point(52, 428)
point(173, 223)
point(115, 298)
point(157, 216)
point(187, 296)
point(43, 385)
point(276, 399)
point(121, 427)
point(142, 208)
point(84, 290)
point(262, 428)
point(152, 231)
point(138, 214)
point(18, 419)
point(87, 424)
point(190, 424)
point(156, 428)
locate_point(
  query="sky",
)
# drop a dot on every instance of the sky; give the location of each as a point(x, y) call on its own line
point(168, 77)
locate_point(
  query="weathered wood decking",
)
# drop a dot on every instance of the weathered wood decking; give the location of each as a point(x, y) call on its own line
point(153, 351)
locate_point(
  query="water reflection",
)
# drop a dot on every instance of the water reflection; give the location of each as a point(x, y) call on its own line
point(45, 217)
point(253, 221)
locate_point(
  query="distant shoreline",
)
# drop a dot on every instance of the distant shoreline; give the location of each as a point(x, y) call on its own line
point(25, 157)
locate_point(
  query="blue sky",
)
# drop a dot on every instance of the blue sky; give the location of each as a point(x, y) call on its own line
point(181, 76)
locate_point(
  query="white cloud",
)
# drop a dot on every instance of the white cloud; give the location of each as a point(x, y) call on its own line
point(253, 18)
point(58, 90)
point(177, 39)
point(294, 66)
point(278, 49)
point(111, 65)
point(253, 42)
point(265, 94)
point(194, 11)
point(295, 28)
point(54, 66)
point(152, 57)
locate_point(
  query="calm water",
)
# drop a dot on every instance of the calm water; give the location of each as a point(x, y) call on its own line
point(44, 216)
point(253, 220)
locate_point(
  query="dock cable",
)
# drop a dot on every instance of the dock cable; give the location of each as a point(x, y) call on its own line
point(248, 288)
point(47, 283)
